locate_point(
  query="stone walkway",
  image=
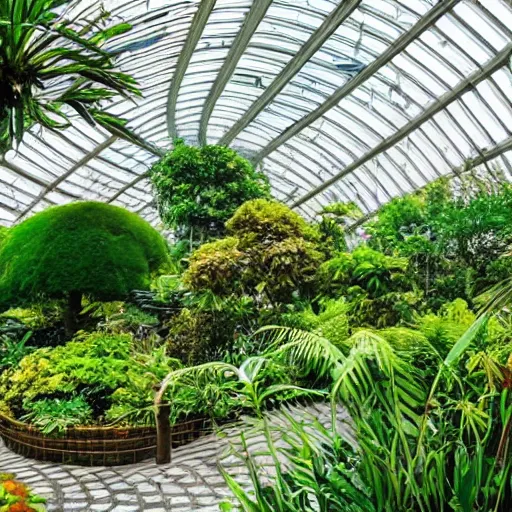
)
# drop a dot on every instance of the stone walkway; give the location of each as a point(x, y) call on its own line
point(191, 482)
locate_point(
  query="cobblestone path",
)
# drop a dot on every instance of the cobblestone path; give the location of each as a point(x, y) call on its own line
point(191, 482)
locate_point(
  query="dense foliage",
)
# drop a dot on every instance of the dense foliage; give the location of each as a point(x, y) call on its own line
point(270, 255)
point(454, 242)
point(88, 248)
point(389, 329)
point(39, 46)
point(198, 189)
point(432, 439)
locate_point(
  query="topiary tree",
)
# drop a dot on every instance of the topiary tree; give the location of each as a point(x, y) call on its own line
point(84, 248)
point(199, 189)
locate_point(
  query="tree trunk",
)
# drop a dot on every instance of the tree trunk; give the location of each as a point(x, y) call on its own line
point(163, 433)
point(72, 312)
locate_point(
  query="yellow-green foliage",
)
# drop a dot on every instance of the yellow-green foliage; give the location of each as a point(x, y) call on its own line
point(37, 316)
point(97, 249)
point(215, 266)
point(271, 252)
point(99, 359)
point(264, 220)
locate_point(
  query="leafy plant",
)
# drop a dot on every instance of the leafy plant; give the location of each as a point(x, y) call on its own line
point(429, 446)
point(309, 472)
point(13, 351)
point(452, 235)
point(84, 248)
point(54, 416)
point(40, 46)
point(16, 496)
point(199, 189)
point(270, 256)
point(97, 361)
point(250, 382)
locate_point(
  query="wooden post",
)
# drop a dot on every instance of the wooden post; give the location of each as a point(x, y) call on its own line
point(163, 433)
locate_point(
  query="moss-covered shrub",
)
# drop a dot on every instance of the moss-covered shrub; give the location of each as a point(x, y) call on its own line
point(271, 255)
point(83, 248)
point(263, 221)
point(216, 266)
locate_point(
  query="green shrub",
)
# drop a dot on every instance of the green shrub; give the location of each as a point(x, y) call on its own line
point(262, 220)
point(331, 322)
point(53, 416)
point(442, 330)
point(97, 361)
point(83, 248)
point(371, 271)
point(199, 189)
point(270, 256)
point(216, 266)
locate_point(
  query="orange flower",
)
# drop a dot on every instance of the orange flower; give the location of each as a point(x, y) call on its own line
point(16, 488)
point(20, 506)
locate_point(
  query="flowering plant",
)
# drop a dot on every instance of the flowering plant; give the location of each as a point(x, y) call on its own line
point(17, 497)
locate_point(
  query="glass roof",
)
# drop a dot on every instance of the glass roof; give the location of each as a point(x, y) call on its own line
point(336, 100)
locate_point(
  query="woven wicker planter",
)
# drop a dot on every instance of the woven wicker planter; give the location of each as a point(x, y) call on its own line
point(94, 446)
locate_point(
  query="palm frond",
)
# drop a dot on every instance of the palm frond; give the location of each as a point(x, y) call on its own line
point(307, 350)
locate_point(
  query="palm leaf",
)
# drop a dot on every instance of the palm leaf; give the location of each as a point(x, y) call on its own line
point(304, 349)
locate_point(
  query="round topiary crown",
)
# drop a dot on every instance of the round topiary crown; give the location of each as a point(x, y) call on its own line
point(95, 249)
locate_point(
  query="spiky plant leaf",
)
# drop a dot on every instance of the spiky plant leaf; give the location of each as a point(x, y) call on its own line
point(39, 46)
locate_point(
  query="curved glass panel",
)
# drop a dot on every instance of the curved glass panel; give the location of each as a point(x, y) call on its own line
point(336, 100)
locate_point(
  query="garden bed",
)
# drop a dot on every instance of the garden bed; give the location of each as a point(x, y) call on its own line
point(94, 446)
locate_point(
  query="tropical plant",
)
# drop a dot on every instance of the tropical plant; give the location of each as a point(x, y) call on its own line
point(199, 189)
point(53, 61)
point(254, 382)
point(313, 470)
point(426, 446)
point(372, 271)
point(85, 248)
point(12, 351)
point(453, 237)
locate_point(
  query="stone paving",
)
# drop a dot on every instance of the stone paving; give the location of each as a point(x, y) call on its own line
point(191, 482)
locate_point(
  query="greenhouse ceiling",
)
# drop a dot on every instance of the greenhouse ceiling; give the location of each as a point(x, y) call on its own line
point(337, 100)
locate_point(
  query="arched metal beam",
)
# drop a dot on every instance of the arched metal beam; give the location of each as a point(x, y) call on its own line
point(314, 43)
point(394, 49)
point(469, 165)
point(196, 30)
point(446, 99)
point(83, 161)
point(252, 21)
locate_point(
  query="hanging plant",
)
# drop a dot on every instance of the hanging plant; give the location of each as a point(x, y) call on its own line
point(50, 61)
